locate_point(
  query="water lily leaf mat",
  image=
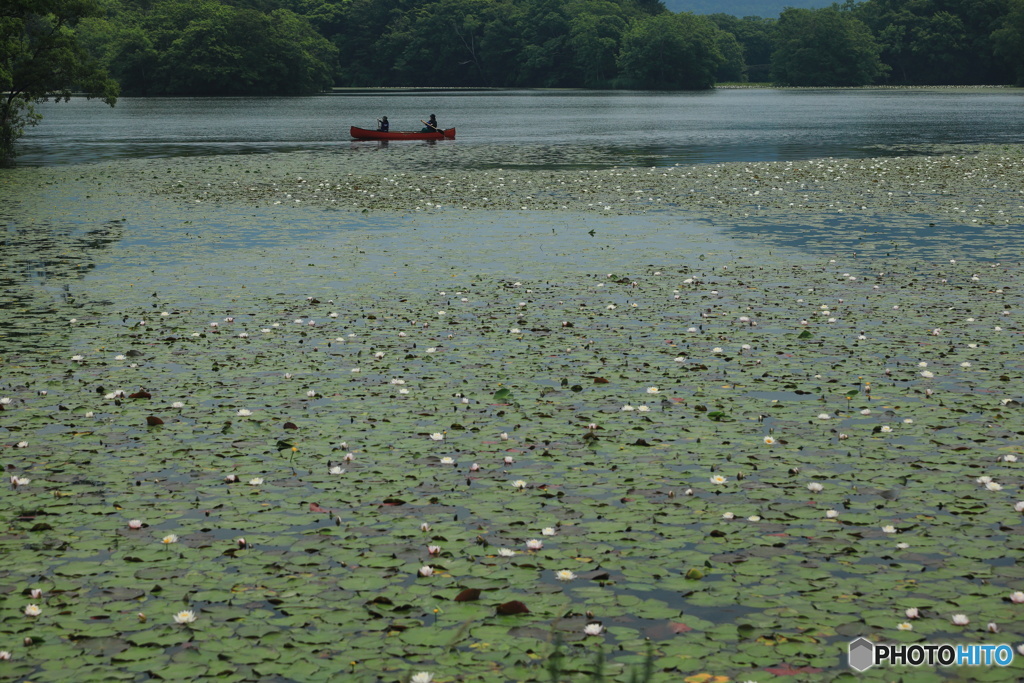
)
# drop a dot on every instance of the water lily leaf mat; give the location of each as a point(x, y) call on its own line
point(313, 445)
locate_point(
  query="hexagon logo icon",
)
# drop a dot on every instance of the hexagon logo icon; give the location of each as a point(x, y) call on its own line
point(861, 654)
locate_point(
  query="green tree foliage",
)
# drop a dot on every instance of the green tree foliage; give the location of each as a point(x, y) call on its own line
point(757, 38)
point(671, 51)
point(206, 47)
point(233, 47)
point(1008, 39)
point(41, 58)
point(939, 42)
point(824, 47)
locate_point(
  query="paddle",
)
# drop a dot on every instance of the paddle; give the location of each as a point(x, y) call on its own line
point(430, 125)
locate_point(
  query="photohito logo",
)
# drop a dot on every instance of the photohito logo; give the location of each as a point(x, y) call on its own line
point(863, 654)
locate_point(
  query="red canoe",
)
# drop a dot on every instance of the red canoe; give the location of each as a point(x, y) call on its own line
point(364, 134)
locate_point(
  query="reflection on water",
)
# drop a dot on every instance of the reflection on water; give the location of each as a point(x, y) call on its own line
point(868, 239)
point(553, 128)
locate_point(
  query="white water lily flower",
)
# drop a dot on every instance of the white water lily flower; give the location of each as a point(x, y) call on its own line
point(718, 479)
point(652, 390)
point(548, 531)
point(185, 617)
point(815, 487)
point(422, 677)
point(593, 629)
point(256, 481)
point(519, 484)
point(888, 529)
point(446, 460)
point(437, 436)
point(564, 575)
point(506, 552)
point(244, 412)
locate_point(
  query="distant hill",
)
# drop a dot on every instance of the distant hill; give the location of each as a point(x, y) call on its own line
point(741, 8)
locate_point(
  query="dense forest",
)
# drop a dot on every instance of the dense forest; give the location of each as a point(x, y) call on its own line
point(741, 8)
point(204, 47)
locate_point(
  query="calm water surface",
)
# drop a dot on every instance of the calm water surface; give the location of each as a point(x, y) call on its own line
point(636, 128)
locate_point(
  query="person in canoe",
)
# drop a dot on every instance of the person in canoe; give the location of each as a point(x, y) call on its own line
point(383, 125)
point(431, 125)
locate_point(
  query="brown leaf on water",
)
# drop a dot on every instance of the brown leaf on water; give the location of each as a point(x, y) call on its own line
point(140, 394)
point(468, 595)
point(290, 425)
point(513, 607)
point(154, 421)
point(679, 627)
point(314, 507)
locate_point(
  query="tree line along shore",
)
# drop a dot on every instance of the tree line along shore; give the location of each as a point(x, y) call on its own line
point(103, 48)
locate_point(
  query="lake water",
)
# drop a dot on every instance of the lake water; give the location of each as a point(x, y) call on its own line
point(628, 128)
